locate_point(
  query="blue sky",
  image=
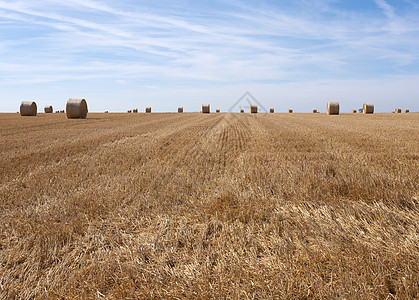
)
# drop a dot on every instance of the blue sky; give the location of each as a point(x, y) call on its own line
point(121, 54)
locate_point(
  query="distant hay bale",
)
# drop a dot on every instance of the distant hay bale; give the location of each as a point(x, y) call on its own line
point(205, 108)
point(180, 110)
point(135, 110)
point(398, 110)
point(368, 108)
point(253, 109)
point(354, 111)
point(62, 111)
point(28, 108)
point(314, 111)
point(129, 111)
point(406, 111)
point(217, 110)
point(106, 112)
point(48, 109)
point(241, 111)
point(290, 111)
point(332, 107)
point(271, 110)
point(76, 108)
point(148, 110)
point(57, 111)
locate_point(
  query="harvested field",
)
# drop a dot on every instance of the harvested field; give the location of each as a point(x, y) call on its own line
point(209, 206)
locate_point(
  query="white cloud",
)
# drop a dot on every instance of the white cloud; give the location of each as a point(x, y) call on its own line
point(387, 8)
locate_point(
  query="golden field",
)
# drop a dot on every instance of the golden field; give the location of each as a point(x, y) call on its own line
point(209, 206)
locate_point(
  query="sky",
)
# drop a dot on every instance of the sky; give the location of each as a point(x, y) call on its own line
point(124, 54)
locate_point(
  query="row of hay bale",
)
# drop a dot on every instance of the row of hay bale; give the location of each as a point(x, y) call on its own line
point(148, 110)
point(135, 110)
point(399, 111)
point(75, 108)
point(333, 108)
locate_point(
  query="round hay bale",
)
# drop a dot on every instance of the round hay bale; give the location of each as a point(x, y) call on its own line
point(406, 111)
point(253, 109)
point(62, 111)
point(217, 110)
point(129, 111)
point(314, 111)
point(106, 112)
point(290, 111)
point(135, 110)
point(205, 108)
point(332, 107)
point(271, 110)
point(398, 110)
point(48, 109)
point(368, 108)
point(241, 111)
point(76, 108)
point(180, 110)
point(28, 108)
point(148, 110)
point(354, 111)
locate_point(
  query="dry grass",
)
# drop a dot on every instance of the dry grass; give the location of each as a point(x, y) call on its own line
point(217, 206)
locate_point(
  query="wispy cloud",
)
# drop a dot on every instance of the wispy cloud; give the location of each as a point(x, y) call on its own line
point(387, 8)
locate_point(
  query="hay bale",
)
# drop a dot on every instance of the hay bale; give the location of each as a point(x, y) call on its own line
point(76, 108)
point(406, 111)
point(354, 111)
point(217, 110)
point(241, 111)
point(62, 111)
point(253, 109)
point(314, 111)
point(180, 110)
point(28, 108)
point(398, 110)
point(135, 110)
point(271, 110)
point(205, 108)
point(290, 111)
point(48, 109)
point(129, 111)
point(332, 107)
point(368, 108)
point(106, 112)
point(148, 110)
